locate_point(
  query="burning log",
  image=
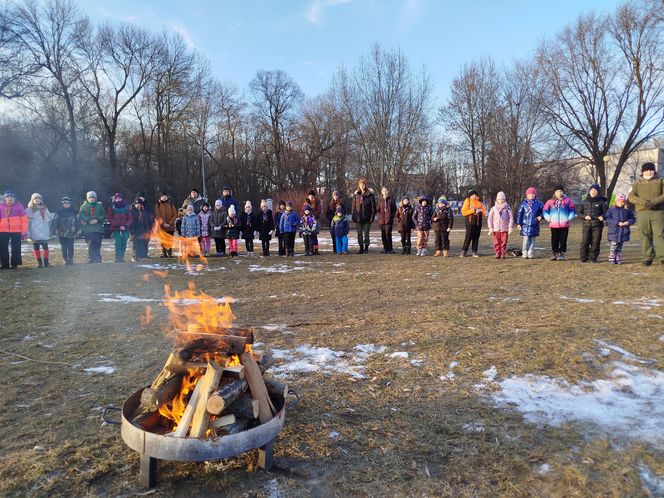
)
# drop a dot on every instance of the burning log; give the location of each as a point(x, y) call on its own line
point(225, 396)
point(152, 399)
point(207, 383)
point(210, 342)
point(147, 421)
point(243, 407)
point(257, 387)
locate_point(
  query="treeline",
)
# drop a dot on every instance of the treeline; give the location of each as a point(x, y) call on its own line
point(117, 107)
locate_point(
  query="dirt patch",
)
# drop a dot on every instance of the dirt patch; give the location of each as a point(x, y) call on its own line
point(414, 413)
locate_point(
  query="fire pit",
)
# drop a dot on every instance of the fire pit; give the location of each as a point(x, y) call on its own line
point(210, 401)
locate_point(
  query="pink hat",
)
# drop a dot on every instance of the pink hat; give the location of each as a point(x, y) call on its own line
point(621, 197)
point(531, 190)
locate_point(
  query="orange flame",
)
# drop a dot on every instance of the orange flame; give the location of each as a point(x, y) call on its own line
point(188, 247)
point(147, 318)
point(173, 411)
point(190, 310)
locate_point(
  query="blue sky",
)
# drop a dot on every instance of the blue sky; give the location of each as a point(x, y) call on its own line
point(309, 39)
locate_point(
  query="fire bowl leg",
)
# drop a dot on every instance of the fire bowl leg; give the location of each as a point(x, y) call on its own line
point(147, 475)
point(265, 456)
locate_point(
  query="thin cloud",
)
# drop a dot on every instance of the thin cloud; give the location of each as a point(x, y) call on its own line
point(314, 14)
point(410, 13)
point(184, 33)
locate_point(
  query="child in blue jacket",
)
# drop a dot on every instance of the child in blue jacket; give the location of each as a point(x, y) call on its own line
point(339, 228)
point(288, 227)
point(528, 219)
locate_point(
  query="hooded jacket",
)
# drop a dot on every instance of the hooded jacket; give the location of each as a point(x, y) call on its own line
point(422, 215)
point(526, 217)
point(468, 210)
point(13, 218)
point(166, 212)
point(595, 207)
point(39, 223)
point(218, 219)
point(265, 220)
point(559, 212)
point(387, 209)
point(92, 211)
point(500, 218)
point(65, 223)
point(404, 218)
point(364, 206)
point(442, 218)
point(615, 215)
point(648, 190)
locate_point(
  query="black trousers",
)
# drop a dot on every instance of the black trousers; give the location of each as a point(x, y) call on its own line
point(334, 241)
point(289, 241)
point(140, 248)
point(8, 239)
point(386, 236)
point(590, 241)
point(442, 239)
point(265, 244)
point(559, 239)
point(472, 237)
point(405, 238)
point(94, 247)
point(308, 243)
point(282, 244)
point(67, 247)
point(249, 245)
point(220, 245)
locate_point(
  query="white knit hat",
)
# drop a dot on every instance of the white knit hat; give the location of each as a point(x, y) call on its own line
point(231, 210)
point(91, 193)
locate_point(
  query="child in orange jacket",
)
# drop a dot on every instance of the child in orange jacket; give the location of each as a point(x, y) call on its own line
point(474, 211)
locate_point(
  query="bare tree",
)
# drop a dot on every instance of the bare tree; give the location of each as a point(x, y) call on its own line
point(602, 85)
point(118, 63)
point(470, 113)
point(387, 108)
point(276, 98)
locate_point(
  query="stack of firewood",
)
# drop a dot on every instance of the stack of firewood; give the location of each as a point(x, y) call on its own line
point(226, 399)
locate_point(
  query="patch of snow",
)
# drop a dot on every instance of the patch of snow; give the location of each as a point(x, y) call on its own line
point(644, 303)
point(281, 268)
point(416, 363)
point(583, 300)
point(661, 338)
point(491, 372)
point(448, 376)
point(272, 297)
point(655, 316)
point(272, 489)
point(408, 343)
point(398, 354)
point(544, 469)
point(100, 370)
point(119, 298)
point(453, 364)
point(272, 328)
point(630, 402)
point(652, 482)
point(333, 435)
point(305, 359)
point(366, 350)
point(607, 347)
point(473, 428)
point(28, 338)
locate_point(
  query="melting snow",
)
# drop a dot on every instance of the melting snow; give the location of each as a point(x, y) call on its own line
point(544, 469)
point(119, 298)
point(473, 428)
point(274, 269)
point(306, 359)
point(607, 347)
point(580, 299)
point(491, 372)
point(100, 370)
point(333, 435)
point(398, 354)
point(653, 483)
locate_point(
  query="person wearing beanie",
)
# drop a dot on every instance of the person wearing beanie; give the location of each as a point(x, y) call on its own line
point(422, 221)
point(405, 224)
point(474, 211)
point(277, 229)
point(65, 226)
point(142, 222)
point(217, 227)
point(340, 229)
point(316, 211)
point(190, 229)
point(335, 202)
point(227, 199)
point(194, 199)
point(204, 239)
point(559, 211)
point(233, 228)
point(165, 215)
point(442, 223)
point(387, 209)
point(647, 195)
point(363, 213)
point(501, 223)
point(288, 225)
point(91, 215)
point(592, 211)
point(13, 228)
point(249, 227)
point(39, 228)
point(618, 218)
point(528, 219)
point(308, 228)
point(120, 218)
point(265, 221)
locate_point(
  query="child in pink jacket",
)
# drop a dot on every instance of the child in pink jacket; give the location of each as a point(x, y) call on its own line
point(501, 224)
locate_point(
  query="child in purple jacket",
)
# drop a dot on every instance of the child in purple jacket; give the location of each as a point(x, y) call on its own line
point(619, 218)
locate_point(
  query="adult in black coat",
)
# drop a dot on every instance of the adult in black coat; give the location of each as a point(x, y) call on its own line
point(140, 229)
point(592, 211)
point(363, 213)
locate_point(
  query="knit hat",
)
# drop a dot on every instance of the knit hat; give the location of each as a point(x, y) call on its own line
point(289, 204)
point(65, 199)
point(472, 192)
point(442, 199)
point(312, 192)
point(190, 207)
point(501, 195)
point(91, 193)
point(306, 208)
point(194, 189)
point(36, 196)
point(424, 198)
point(138, 200)
point(118, 195)
point(594, 186)
point(263, 203)
point(335, 192)
point(247, 205)
point(339, 210)
point(227, 187)
point(648, 167)
point(621, 197)
point(9, 193)
point(558, 187)
point(231, 210)
point(218, 203)
point(282, 203)
point(531, 190)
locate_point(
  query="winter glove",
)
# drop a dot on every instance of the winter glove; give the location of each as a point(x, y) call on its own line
point(650, 204)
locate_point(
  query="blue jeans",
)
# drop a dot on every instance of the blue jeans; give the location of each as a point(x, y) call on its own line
point(341, 243)
point(528, 244)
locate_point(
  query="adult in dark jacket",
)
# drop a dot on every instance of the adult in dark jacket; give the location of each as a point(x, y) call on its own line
point(165, 214)
point(227, 199)
point(217, 227)
point(265, 220)
point(141, 229)
point(592, 211)
point(442, 223)
point(387, 209)
point(404, 220)
point(65, 224)
point(335, 202)
point(364, 212)
point(647, 195)
point(195, 199)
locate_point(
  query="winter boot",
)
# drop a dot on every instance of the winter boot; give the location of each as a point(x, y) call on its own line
point(164, 253)
point(612, 257)
point(531, 254)
point(446, 253)
point(46, 265)
point(561, 256)
point(40, 264)
point(438, 254)
point(475, 255)
point(361, 251)
point(463, 254)
point(409, 251)
point(169, 253)
point(366, 248)
point(403, 250)
point(554, 257)
point(618, 260)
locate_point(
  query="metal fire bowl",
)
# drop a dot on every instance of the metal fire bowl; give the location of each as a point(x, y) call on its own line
point(189, 449)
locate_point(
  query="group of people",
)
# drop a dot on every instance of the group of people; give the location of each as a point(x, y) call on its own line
point(196, 221)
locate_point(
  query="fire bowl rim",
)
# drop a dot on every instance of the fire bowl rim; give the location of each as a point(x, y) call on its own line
point(189, 449)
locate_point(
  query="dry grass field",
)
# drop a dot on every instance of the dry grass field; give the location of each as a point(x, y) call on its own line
point(416, 376)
